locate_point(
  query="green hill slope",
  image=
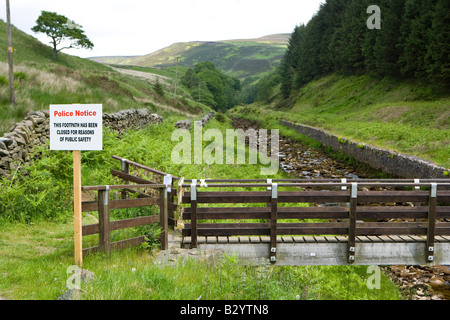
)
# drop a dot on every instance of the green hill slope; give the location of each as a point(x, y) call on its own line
point(406, 116)
point(388, 87)
point(247, 58)
point(41, 81)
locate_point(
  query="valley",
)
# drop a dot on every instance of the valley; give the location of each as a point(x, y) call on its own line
point(245, 59)
point(306, 77)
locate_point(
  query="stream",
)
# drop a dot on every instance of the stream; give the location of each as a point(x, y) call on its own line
point(303, 162)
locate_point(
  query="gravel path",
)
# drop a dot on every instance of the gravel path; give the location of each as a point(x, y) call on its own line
point(142, 74)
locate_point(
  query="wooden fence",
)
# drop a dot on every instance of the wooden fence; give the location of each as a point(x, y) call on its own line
point(133, 172)
point(148, 186)
point(364, 208)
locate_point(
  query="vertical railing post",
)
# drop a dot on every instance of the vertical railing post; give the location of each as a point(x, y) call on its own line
point(163, 219)
point(273, 223)
point(431, 228)
point(125, 169)
point(351, 245)
point(194, 232)
point(416, 188)
point(103, 220)
point(168, 181)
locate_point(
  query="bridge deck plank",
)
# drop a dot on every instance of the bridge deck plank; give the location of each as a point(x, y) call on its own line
point(233, 239)
point(331, 239)
point(265, 239)
point(244, 239)
point(313, 239)
point(255, 239)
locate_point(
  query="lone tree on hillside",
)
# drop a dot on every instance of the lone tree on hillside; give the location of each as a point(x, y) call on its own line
point(60, 28)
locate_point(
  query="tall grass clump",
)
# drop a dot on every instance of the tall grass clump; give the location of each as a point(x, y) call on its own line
point(41, 191)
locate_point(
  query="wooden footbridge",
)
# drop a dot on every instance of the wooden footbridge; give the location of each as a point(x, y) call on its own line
point(366, 222)
point(286, 221)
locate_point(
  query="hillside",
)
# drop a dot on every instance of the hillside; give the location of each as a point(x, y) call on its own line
point(242, 58)
point(404, 116)
point(41, 81)
point(386, 87)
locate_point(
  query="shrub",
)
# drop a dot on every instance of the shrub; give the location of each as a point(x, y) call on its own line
point(3, 81)
point(158, 87)
point(20, 76)
point(220, 117)
point(40, 192)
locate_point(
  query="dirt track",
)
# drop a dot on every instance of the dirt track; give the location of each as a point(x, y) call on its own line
point(145, 75)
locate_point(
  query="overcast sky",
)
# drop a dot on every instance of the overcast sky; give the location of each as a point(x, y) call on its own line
point(138, 27)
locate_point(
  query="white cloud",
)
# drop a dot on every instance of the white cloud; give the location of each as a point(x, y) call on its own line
point(136, 27)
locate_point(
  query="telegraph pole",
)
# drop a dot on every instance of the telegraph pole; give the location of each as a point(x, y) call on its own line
point(10, 56)
point(176, 76)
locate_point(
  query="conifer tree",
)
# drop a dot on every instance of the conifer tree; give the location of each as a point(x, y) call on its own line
point(386, 50)
point(437, 59)
point(415, 37)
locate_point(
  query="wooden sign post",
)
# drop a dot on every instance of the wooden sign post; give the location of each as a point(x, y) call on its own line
point(76, 127)
point(77, 218)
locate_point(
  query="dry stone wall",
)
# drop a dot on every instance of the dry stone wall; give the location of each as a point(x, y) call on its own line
point(186, 124)
point(17, 146)
point(391, 162)
point(133, 118)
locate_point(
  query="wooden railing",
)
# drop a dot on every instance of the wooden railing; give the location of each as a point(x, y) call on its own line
point(133, 172)
point(148, 187)
point(368, 207)
point(104, 204)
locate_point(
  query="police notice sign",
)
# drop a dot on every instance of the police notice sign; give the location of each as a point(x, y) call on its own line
point(76, 127)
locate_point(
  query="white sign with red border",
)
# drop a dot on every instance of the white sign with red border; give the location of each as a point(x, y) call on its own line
point(76, 127)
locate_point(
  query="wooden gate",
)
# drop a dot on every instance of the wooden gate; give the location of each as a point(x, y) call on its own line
point(139, 186)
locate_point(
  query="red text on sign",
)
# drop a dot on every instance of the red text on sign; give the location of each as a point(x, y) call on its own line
point(78, 113)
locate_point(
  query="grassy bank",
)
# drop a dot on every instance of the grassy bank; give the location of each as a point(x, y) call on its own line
point(406, 116)
point(36, 243)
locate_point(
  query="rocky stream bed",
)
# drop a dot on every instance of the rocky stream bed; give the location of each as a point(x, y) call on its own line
point(304, 162)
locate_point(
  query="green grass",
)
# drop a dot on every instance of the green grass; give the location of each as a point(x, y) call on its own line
point(36, 257)
point(36, 245)
point(409, 117)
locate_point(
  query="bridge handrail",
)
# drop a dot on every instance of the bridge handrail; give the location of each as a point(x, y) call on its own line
point(316, 184)
point(349, 193)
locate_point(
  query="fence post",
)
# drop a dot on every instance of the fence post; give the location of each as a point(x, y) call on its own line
point(351, 245)
point(163, 218)
point(103, 220)
point(168, 181)
point(431, 229)
point(269, 204)
point(194, 214)
point(125, 169)
point(77, 209)
point(273, 223)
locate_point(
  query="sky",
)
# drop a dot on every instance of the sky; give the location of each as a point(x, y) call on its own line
point(139, 27)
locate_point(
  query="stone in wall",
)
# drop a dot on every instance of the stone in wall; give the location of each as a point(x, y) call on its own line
point(183, 124)
point(391, 162)
point(186, 124)
point(205, 120)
